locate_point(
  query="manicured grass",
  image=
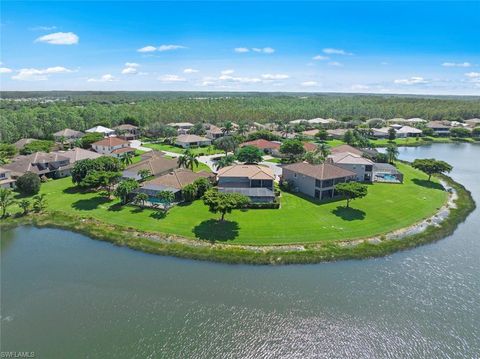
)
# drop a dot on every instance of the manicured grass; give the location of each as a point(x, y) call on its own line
point(387, 207)
point(274, 160)
point(201, 167)
point(209, 150)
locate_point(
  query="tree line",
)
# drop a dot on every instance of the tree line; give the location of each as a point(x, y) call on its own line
point(38, 115)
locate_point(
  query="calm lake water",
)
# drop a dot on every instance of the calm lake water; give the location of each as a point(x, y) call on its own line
point(66, 296)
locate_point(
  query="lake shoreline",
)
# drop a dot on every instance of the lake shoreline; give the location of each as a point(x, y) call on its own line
point(162, 244)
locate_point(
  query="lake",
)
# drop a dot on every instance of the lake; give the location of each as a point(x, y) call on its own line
point(66, 296)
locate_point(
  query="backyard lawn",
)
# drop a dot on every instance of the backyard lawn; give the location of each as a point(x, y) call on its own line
point(387, 207)
point(209, 150)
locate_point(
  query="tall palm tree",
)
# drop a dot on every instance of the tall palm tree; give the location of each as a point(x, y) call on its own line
point(287, 130)
point(227, 128)
point(188, 160)
point(6, 199)
point(127, 159)
point(323, 149)
point(242, 128)
point(392, 153)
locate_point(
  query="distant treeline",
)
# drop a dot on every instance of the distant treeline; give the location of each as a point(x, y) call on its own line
point(39, 114)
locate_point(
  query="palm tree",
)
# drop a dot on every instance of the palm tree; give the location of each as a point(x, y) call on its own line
point(127, 159)
point(141, 198)
point(188, 160)
point(227, 128)
point(39, 202)
point(6, 199)
point(323, 149)
point(242, 128)
point(287, 130)
point(225, 161)
point(25, 205)
point(392, 153)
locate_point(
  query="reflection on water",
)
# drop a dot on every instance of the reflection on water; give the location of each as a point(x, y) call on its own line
point(64, 295)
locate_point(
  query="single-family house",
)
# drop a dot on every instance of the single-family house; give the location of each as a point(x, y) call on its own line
point(385, 172)
point(113, 146)
point(270, 147)
point(21, 143)
point(6, 180)
point(67, 135)
point(127, 131)
point(346, 148)
point(155, 162)
point(181, 127)
point(407, 131)
point(187, 141)
point(52, 165)
point(473, 122)
point(338, 133)
point(440, 128)
point(173, 181)
point(213, 132)
point(380, 132)
point(320, 121)
point(254, 181)
point(310, 133)
point(105, 131)
point(317, 181)
point(362, 167)
point(416, 120)
point(299, 121)
point(79, 154)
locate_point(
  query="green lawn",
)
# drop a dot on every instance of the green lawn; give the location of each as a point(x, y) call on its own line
point(209, 150)
point(201, 167)
point(387, 207)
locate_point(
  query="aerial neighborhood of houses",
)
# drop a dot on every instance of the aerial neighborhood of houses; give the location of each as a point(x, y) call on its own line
point(309, 157)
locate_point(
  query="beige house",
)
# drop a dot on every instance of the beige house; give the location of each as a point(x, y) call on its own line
point(155, 162)
point(362, 167)
point(67, 135)
point(127, 132)
point(254, 181)
point(317, 181)
point(112, 146)
point(187, 141)
point(53, 165)
point(6, 180)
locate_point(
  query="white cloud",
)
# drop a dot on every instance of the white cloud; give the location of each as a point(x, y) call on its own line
point(170, 47)
point(43, 28)
point(275, 76)
point(59, 38)
point(360, 87)
point(472, 75)
point(161, 48)
point(32, 74)
point(190, 71)
point(309, 83)
point(227, 72)
point(5, 70)
point(331, 51)
point(229, 78)
point(263, 50)
point(148, 48)
point(414, 80)
point(171, 78)
point(456, 64)
point(103, 78)
point(320, 58)
point(131, 68)
point(335, 63)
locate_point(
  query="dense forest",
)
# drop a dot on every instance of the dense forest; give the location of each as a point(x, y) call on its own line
point(39, 114)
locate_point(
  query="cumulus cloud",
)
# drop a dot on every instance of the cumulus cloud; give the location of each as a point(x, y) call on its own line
point(59, 38)
point(357, 87)
point(229, 78)
point(131, 68)
point(103, 78)
point(320, 58)
point(275, 76)
point(5, 70)
point(32, 74)
point(227, 72)
point(331, 51)
point(172, 78)
point(309, 83)
point(456, 64)
point(170, 47)
point(263, 50)
point(161, 48)
point(148, 48)
point(414, 80)
point(190, 71)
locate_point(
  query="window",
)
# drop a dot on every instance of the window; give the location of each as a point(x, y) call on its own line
point(318, 183)
point(294, 175)
point(369, 168)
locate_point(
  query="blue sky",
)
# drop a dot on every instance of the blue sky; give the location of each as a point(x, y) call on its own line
point(377, 47)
